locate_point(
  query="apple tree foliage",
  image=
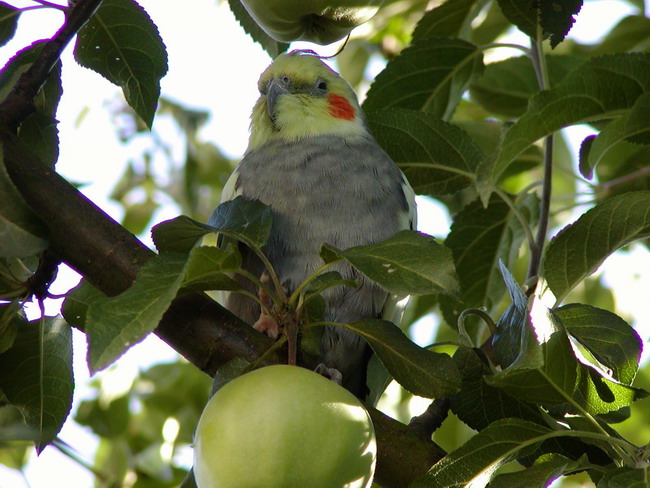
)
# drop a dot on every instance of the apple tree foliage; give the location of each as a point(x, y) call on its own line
point(533, 370)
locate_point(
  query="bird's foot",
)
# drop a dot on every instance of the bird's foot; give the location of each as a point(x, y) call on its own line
point(330, 373)
point(266, 323)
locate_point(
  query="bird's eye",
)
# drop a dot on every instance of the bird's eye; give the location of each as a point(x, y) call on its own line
point(321, 85)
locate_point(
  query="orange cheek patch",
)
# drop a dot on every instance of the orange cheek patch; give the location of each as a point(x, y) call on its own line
point(339, 107)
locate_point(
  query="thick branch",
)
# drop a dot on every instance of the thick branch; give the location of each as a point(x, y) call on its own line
point(109, 256)
point(88, 240)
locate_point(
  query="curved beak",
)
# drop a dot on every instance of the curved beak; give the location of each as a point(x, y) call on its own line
point(276, 87)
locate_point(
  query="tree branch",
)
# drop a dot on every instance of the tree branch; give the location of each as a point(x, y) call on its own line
point(206, 334)
point(105, 253)
point(19, 103)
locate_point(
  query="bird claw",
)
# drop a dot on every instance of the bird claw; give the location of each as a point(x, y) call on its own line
point(330, 373)
point(267, 325)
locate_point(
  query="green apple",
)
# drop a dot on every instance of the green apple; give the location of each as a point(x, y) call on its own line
point(319, 21)
point(284, 427)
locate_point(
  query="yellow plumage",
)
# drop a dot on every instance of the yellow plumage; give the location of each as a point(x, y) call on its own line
point(303, 114)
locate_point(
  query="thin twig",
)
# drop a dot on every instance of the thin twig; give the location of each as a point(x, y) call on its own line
point(19, 104)
point(536, 252)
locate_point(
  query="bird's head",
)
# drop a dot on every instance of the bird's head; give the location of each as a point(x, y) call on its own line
point(300, 96)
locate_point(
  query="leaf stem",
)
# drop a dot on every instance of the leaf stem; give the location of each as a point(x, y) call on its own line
point(272, 274)
point(44, 3)
point(72, 454)
point(296, 293)
point(532, 243)
point(541, 71)
point(621, 451)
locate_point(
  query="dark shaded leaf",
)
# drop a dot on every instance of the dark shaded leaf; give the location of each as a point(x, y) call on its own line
point(624, 478)
point(179, 234)
point(77, 301)
point(522, 13)
point(430, 76)
point(479, 404)
point(438, 158)
point(632, 126)
point(248, 221)
point(476, 461)
point(22, 234)
point(580, 248)
point(8, 22)
point(38, 131)
point(36, 376)
point(121, 43)
point(418, 370)
point(607, 336)
point(480, 237)
point(556, 18)
point(540, 475)
point(601, 88)
point(409, 263)
point(450, 19)
point(207, 267)
point(506, 85)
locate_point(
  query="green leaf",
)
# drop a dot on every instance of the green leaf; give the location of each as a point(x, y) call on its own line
point(437, 158)
point(38, 131)
point(598, 394)
point(418, 370)
point(627, 161)
point(36, 376)
point(632, 33)
point(77, 302)
point(430, 76)
point(624, 478)
point(248, 221)
point(116, 323)
point(106, 417)
point(8, 22)
point(633, 124)
point(206, 268)
point(121, 43)
point(409, 263)
point(479, 404)
point(480, 237)
point(540, 475)
point(324, 281)
point(522, 14)
point(601, 88)
point(270, 45)
point(10, 321)
point(556, 18)
point(507, 85)
point(450, 19)
point(580, 248)
point(22, 234)
point(475, 462)
point(607, 336)
point(179, 234)
point(533, 345)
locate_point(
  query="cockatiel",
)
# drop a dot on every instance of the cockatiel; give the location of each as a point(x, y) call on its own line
point(313, 160)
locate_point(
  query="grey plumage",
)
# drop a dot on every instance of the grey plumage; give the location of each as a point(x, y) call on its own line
point(327, 188)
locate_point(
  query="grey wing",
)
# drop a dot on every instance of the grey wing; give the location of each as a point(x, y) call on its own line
point(242, 306)
point(393, 309)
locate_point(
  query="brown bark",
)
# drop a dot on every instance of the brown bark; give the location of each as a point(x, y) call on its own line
point(104, 252)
